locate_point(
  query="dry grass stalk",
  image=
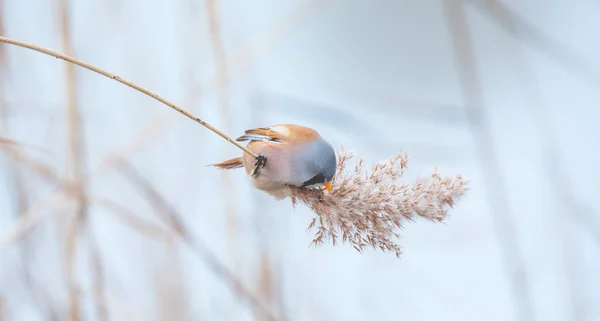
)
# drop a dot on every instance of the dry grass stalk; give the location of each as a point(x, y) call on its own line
point(230, 209)
point(2, 47)
point(40, 168)
point(16, 181)
point(12, 148)
point(518, 26)
point(3, 108)
point(134, 221)
point(98, 273)
point(128, 83)
point(34, 215)
point(75, 166)
point(504, 219)
point(162, 208)
point(560, 180)
point(173, 219)
point(368, 207)
point(222, 81)
point(275, 33)
point(120, 212)
point(30, 218)
point(170, 287)
point(267, 286)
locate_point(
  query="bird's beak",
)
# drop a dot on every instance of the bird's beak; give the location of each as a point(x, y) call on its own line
point(327, 186)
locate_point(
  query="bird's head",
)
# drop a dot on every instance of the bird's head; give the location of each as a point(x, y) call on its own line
point(321, 163)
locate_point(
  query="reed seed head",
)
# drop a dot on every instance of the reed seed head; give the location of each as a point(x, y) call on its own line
point(367, 206)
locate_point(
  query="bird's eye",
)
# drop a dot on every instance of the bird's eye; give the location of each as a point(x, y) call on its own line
point(319, 178)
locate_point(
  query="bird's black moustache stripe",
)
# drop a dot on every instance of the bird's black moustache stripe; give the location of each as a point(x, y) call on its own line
point(316, 179)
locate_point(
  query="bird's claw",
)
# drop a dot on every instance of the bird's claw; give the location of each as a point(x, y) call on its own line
point(261, 161)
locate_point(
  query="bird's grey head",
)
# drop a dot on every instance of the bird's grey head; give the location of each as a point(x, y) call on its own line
point(320, 163)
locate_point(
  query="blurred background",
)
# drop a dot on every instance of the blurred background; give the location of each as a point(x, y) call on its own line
point(108, 210)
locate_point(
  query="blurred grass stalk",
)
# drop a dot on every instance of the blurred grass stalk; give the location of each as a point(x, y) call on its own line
point(176, 229)
point(3, 112)
point(227, 189)
point(569, 208)
point(173, 219)
point(15, 174)
point(535, 38)
point(75, 177)
point(170, 287)
point(502, 216)
point(265, 278)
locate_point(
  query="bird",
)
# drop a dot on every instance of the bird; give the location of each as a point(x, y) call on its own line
point(288, 154)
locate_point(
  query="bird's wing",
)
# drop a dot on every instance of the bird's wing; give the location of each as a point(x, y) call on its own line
point(283, 133)
point(264, 134)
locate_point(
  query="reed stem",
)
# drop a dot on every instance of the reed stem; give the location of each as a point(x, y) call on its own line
point(128, 83)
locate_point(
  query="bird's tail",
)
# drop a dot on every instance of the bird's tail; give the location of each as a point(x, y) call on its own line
point(230, 164)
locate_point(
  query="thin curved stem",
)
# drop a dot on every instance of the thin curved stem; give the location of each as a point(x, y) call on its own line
point(128, 83)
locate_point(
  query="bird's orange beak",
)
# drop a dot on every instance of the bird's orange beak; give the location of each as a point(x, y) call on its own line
point(327, 186)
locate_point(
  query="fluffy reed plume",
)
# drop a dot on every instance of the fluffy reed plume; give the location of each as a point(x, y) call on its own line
point(368, 207)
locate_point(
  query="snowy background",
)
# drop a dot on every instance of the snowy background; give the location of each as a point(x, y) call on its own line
point(505, 93)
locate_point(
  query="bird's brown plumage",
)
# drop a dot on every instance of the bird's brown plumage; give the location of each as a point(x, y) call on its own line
point(289, 133)
point(274, 143)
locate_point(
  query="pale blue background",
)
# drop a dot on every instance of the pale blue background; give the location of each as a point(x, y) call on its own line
point(377, 76)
